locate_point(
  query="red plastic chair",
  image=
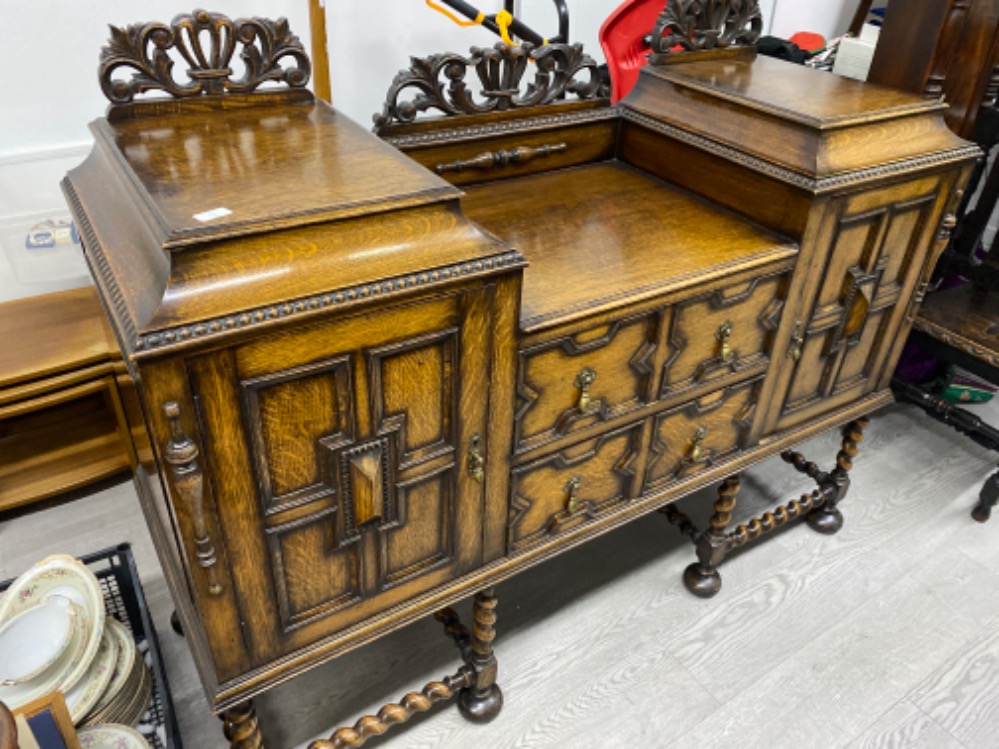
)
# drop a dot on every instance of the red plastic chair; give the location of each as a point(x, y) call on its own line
point(622, 37)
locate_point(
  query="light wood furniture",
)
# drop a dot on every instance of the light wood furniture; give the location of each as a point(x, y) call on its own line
point(62, 423)
point(370, 395)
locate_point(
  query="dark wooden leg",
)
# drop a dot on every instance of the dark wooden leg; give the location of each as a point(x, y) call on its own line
point(241, 728)
point(827, 518)
point(702, 577)
point(482, 701)
point(988, 499)
point(966, 423)
point(479, 697)
point(175, 623)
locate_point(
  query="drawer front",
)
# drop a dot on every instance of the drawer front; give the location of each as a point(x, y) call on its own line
point(700, 434)
point(572, 487)
point(723, 331)
point(584, 378)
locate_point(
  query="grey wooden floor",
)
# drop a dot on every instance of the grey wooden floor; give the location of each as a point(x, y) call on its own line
point(886, 635)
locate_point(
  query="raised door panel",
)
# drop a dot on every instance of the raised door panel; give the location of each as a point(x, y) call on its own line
point(870, 256)
point(344, 450)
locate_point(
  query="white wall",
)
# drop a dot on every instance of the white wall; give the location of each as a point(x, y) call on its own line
point(47, 107)
point(49, 51)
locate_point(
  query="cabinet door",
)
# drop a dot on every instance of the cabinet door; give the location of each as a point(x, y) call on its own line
point(857, 287)
point(339, 458)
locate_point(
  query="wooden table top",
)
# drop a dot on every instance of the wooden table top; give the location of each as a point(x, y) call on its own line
point(966, 313)
point(50, 334)
point(603, 235)
point(256, 168)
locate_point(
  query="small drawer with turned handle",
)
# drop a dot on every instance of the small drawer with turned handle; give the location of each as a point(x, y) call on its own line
point(583, 378)
point(699, 434)
point(723, 332)
point(572, 487)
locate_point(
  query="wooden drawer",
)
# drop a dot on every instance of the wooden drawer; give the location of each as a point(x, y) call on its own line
point(584, 378)
point(572, 486)
point(723, 331)
point(699, 434)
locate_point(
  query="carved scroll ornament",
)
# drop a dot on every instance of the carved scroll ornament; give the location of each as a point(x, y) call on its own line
point(440, 81)
point(706, 24)
point(207, 42)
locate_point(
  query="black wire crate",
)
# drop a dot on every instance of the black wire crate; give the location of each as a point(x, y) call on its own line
point(123, 599)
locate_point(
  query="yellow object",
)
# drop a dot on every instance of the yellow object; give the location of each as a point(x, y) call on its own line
point(503, 20)
point(440, 9)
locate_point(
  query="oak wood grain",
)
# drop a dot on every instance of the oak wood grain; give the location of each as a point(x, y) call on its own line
point(640, 237)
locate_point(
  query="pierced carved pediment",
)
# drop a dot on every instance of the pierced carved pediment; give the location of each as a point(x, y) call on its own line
point(706, 24)
point(207, 42)
point(441, 81)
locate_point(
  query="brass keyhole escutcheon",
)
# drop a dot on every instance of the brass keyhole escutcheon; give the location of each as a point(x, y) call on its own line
point(476, 461)
point(797, 341)
point(696, 450)
point(723, 335)
point(582, 383)
point(572, 487)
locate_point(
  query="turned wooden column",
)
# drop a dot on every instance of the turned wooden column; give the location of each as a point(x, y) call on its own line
point(241, 727)
point(482, 701)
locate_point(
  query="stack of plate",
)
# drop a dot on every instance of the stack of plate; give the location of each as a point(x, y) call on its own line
point(55, 635)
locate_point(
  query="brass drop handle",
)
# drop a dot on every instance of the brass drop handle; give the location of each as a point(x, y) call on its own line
point(582, 383)
point(797, 341)
point(188, 483)
point(723, 335)
point(696, 443)
point(476, 461)
point(572, 487)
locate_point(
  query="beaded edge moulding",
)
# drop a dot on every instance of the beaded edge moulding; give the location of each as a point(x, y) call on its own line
point(207, 42)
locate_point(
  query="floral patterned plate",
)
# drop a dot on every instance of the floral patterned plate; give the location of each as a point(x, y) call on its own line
point(82, 698)
point(111, 736)
point(124, 666)
point(61, 575)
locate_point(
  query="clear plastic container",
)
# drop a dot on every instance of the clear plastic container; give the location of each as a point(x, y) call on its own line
point(34, 264)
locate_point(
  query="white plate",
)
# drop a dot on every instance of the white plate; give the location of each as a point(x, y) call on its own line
point(123, 666)
point(21, 694)
point(33, 640)
point(61, 575)
point(111, 736)
point(81, 699)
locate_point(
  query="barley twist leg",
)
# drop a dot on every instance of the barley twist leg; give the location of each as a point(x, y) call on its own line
point(483, 699)
point(702, 577)
point(827, 518)
point(241, 727)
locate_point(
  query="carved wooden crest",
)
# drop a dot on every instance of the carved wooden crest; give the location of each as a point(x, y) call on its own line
point(207, 42)
point(706, 24)
point(440, 81)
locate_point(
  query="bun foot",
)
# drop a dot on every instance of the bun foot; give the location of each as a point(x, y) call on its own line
point(701, 583)
point(982, 513)
point(481, 709)
point(175, 623)
point(825, 521)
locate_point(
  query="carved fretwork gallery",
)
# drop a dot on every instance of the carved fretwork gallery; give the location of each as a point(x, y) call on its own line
point(382, 373)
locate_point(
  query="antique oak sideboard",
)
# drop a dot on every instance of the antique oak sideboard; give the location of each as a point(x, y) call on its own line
point(383, 372)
